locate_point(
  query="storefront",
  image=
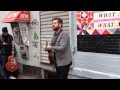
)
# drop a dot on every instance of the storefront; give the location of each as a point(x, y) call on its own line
point(97, 44)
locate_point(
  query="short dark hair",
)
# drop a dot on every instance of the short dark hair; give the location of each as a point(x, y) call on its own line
point(59, 20)
point(4, 29)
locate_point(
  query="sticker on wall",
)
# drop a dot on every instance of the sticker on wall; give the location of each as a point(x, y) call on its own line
point(35, 36)
point(35, 44)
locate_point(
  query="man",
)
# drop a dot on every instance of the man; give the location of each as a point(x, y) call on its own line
point(61, 49)
point(6, 49)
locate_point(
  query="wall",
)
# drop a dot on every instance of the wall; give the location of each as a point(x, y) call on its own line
point(94, 65)
point(34, 41)
point(3, 15)
point(45, 33)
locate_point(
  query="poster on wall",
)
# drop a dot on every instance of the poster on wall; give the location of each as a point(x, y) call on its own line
point(98, 23)
point(16, 34)
point(24, 33)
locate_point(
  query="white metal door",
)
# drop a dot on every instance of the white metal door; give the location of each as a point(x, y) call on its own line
point(46, 28)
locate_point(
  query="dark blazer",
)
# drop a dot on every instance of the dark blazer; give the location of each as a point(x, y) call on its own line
point(6, 49)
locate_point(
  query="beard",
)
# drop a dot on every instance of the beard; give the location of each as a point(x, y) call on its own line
point(55, 28)
point(5, 35)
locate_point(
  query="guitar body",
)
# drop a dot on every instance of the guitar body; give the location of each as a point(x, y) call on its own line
point(51, 56)
point(12, 64)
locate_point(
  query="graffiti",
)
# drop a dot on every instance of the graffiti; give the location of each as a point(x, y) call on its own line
point(35, 36)
point(35, 44)
point(34, 22)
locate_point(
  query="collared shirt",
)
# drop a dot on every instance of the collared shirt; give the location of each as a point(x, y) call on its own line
point(63, 55)
point(55, 37)
point(56, 34)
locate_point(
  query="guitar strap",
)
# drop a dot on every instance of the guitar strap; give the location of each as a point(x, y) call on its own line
point(53, 44)
point(56, 37)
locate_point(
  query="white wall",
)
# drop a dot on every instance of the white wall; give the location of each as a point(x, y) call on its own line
point(2, 16)
point(34, 53)
point(93, 65)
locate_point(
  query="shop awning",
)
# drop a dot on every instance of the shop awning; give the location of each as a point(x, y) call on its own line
point(17, 16)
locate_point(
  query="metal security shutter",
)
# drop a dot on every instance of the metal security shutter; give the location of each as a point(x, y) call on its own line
point(46, 28)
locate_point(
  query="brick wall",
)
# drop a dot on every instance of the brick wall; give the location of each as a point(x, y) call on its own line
point(99, 43)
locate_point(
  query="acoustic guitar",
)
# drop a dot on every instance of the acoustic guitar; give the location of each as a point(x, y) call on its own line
point(12, 64)
point(50, 55)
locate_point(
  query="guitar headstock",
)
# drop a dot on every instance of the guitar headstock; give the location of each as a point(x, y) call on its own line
point(13, 49)
point(46, 43)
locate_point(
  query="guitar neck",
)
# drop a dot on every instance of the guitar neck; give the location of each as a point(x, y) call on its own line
point(13, 49)
point(46, 43)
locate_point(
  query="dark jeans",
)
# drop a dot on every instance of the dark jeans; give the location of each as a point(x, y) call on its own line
point(3, 64)
point(1, 72)
point(62, 71)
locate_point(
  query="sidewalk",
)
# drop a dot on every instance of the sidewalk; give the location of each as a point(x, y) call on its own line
point(26, 77)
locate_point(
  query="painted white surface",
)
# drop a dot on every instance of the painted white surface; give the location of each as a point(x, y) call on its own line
point(34, 53)
point(3, 15)
point(113, 76)
point(93, 65)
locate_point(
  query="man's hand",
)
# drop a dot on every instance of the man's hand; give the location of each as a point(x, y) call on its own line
point(47, 48)
point(13, 52)
point(5, 43)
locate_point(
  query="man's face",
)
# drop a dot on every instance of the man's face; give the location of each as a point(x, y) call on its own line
point(5, 33)
point(55, 25)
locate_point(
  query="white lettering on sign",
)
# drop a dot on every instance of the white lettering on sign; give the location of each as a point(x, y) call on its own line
point(104, 15)
point(107, 20)
point(12, 15)
point(24, 16)
point(109, 25)
point(107, 15)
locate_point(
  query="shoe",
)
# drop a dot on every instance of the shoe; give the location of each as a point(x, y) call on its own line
point(11, 77)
